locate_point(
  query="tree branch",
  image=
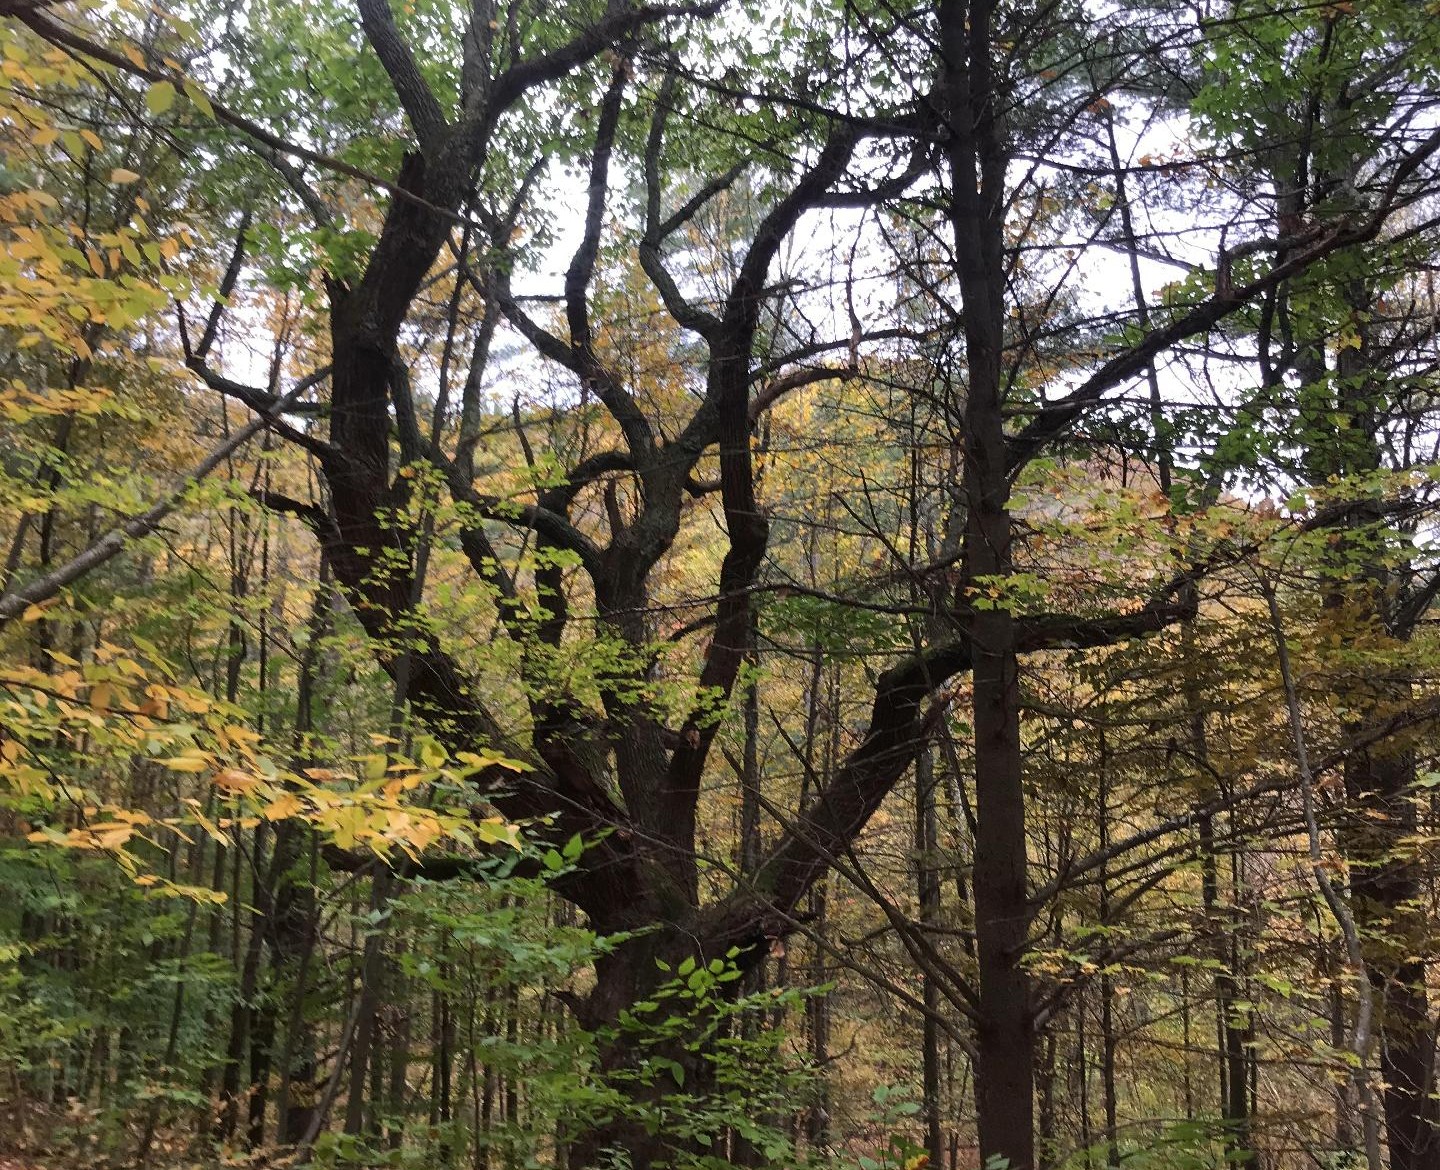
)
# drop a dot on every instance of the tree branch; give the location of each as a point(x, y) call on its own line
point(898, 730)
point(110, 545)
point(582, 264)
point(416, 99)
point(1056, 418)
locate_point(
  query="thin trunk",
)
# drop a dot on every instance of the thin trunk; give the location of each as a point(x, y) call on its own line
point(927, 882)
point(817, 1130)
point(1361, 1034)
point(1047, 1126)
point(172, 1038)
point(486, 1107)
point(743, 1152)
point(1187, 1046)
point(242, 1011)
point(366, 1006)
point(293, 923)
point(337, 1077)
point(442, 1098)
point(1346, 1135)
point(1223, 928)
point(295, 937)
point(1107, 990)
point(1234, 1097)
point(236, 649)
point(1082, 1073)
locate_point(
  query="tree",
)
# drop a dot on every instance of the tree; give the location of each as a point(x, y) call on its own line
point(567, 560)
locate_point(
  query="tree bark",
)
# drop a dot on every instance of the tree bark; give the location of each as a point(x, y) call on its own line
point(1004, 1073)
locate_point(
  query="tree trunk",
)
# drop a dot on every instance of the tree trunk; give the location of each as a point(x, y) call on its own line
point(1221, 927)
point(928, 891)
point(371, 967)
point(1005, 1066)
point(1384, 885)
point(1107, 989)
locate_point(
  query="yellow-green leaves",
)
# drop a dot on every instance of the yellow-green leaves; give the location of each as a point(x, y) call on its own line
point(198, 98)
point(122, 705)
point(160, 97)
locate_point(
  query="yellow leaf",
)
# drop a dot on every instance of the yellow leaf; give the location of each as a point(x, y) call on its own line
point(190, 701)
point(283, 807)
point(133, 816)
point(121, 175)
point(111, 834)
point(186, 763)
point(157, 704)
point(496, 831)
point(211, 827)
point(28, 781)
point(234, 781)
point(92, 139)
point(345, 826)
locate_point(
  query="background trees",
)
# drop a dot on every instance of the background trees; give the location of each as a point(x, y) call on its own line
point(813, 473)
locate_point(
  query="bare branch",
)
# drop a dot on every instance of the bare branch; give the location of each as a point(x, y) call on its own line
point(582, 264)
point(110, 545)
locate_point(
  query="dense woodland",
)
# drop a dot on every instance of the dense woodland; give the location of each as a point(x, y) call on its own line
point(703, 583)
